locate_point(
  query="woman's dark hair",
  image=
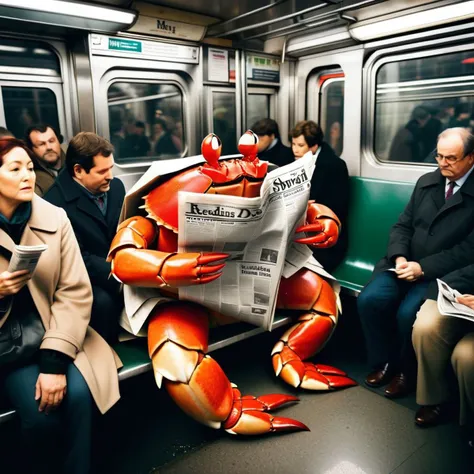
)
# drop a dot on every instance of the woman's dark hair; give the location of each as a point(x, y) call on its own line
point(82, 149)
point(7, 144)
point(311, 132)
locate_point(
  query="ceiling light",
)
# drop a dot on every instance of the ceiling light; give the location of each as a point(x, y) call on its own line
point(413, 21)
point(72, 9)
point(293, 45)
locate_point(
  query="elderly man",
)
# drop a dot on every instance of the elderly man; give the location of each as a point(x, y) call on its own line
point(45, 142)
point(438, 340)
point(434, 236)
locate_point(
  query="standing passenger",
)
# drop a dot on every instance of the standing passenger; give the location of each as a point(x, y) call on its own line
point(329, 185)
point(433, 237)
point(45, 141)
point(270, 147)
point(92, 199)
point(50, 388)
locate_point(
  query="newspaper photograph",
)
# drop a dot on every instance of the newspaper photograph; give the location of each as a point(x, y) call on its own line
point(26, 257)
point(447, 304)
point(256, 233)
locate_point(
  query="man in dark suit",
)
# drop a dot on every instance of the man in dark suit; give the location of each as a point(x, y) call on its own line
point(438, 341)
point(92, 199)
point(329, 185)
point(270, 147)
point(434, 236)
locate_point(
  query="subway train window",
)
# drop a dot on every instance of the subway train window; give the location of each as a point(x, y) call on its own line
point(332, 110)
point(223, 120)
point(418, 98)
point(258, 107)
point(26, 106)
point(146, 120)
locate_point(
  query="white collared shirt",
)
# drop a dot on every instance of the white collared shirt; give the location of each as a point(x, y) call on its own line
point(459, 182)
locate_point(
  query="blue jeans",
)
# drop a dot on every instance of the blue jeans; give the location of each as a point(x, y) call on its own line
point(387, 308)
point(61, 440)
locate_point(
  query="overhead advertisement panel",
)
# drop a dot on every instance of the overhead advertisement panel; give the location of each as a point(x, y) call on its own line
point(124, 47)
point(263, 69)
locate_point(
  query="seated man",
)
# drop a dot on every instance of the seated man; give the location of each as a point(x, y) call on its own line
point(45, 142)
point(92, 199)
point(270, 147)
point(329, 184)
point(433, 237)
point(437, 340)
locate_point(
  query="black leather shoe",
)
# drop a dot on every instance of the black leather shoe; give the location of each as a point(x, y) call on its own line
point(400, 386)
point(380, 377)
point(429, 416)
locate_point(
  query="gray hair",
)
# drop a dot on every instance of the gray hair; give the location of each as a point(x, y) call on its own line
point(465, 135)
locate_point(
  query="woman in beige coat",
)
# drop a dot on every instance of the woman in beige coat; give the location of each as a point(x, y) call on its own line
point(53, 390)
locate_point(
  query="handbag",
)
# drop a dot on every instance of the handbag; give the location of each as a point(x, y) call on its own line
point(20, 337)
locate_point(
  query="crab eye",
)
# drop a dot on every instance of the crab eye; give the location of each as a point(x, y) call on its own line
point(248, 138)
point(215, 142)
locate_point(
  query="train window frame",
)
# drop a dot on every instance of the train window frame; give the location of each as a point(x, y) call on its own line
point(267, 91)
point(379, 59)
point(55, 88)
point(210, 109)
point(316, 105)
point(113, 76)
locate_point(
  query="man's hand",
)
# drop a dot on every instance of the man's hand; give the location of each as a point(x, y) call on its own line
point(51, 389)
point(12, 283)
point(409, 271)
point(468, 300)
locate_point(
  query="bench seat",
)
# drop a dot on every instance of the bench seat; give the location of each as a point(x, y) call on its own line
point(134, 353)
point(374, 206)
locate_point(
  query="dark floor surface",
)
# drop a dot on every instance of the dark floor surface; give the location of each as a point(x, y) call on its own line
point(353, 431)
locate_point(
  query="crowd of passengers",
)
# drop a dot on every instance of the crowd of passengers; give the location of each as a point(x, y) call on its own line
point(71, 202)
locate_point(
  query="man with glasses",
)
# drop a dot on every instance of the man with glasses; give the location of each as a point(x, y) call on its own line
point(434, 236)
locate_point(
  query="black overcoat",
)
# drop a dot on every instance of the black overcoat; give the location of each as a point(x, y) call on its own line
point(279, 154)
point(436, 233)
point(94, 232)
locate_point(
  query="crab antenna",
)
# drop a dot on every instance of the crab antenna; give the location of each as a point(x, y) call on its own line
point(211, 148)
point(248, 145)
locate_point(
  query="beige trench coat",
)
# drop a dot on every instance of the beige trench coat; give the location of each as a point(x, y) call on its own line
point(62, 293)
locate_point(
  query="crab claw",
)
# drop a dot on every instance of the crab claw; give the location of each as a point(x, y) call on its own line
point(248, 145)
point(327, 232)
point(211, 148)
point(254, 422)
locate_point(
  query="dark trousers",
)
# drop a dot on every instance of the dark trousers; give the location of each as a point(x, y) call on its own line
point(59, 442)
point(106, 308)
point(387, 307)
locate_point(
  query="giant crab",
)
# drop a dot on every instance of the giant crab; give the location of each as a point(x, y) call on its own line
point(144, 253)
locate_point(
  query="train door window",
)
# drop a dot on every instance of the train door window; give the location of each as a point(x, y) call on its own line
point(145, 120)
point(418, 96)
point(224, 123)
point(331, 110)
point(260, 105)
point(26, 106)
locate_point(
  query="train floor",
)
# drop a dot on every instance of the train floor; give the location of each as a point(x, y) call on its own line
point(353, 431)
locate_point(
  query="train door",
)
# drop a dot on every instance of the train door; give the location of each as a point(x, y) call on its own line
point(329, 91)
point(31, 86)
point(146, 101)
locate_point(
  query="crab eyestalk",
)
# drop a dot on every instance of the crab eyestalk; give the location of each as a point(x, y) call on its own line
point(248, 145)
point(211, 148)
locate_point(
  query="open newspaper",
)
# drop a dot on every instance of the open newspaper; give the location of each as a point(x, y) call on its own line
point(258, 235)
point(26, 257)
point(447, 304)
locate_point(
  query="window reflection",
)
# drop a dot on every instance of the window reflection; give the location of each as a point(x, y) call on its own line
point(26, 106)
point(223, 120)
point(258, 107)
point(332, 113)
point(417, 99)
point(146, 120)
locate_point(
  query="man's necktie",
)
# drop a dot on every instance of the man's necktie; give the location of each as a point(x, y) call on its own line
point(100, 202)
point(449, 192)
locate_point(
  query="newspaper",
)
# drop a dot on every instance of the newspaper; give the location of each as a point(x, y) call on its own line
point(258, 235)
point(447, 304)
point(26, 257)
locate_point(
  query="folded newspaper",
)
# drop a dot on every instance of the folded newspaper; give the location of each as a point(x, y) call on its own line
point(447, 304)
point(257, 233)
point(26, 257)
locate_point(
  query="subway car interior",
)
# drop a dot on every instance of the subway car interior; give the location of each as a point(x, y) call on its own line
point(155, 77)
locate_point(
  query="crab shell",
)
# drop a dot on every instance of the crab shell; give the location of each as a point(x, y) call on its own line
point(233, 177)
